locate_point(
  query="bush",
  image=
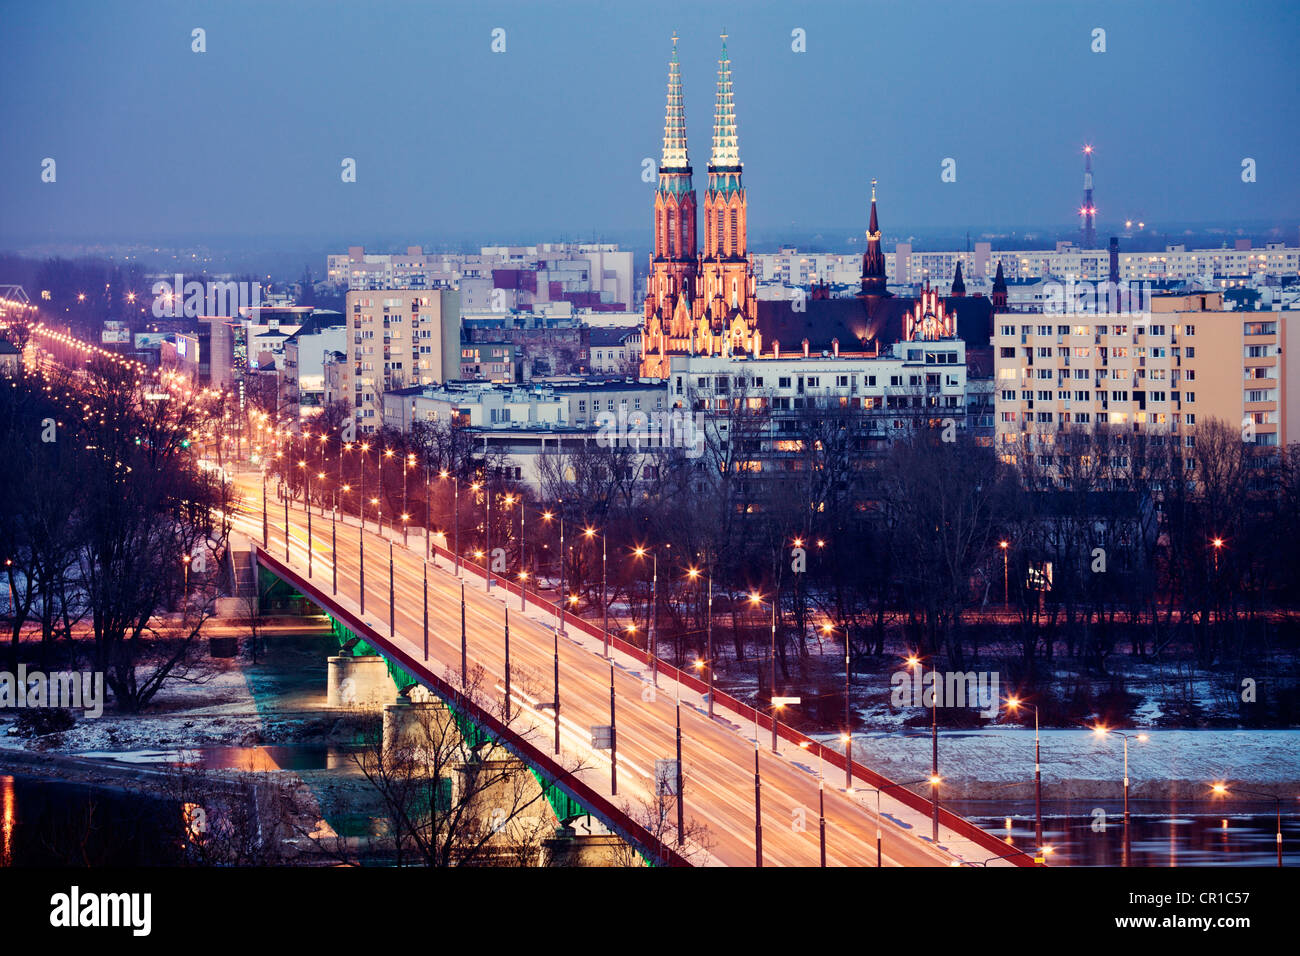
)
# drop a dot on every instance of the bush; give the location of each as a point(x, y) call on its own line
point(38, 722)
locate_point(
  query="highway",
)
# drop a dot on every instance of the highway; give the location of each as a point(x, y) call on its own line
point(718, 754)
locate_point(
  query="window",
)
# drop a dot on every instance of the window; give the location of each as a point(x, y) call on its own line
point(1189, 396)
point(783, 381)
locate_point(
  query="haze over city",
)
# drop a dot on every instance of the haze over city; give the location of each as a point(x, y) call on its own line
point(455, 142)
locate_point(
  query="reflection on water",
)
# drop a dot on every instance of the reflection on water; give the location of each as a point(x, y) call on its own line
point(50, 823)
point(269, 758)
point(1169, 834)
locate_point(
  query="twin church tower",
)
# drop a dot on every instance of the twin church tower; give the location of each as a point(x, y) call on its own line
point(700, 302)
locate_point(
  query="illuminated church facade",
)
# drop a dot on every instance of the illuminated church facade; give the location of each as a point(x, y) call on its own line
point(703, 301)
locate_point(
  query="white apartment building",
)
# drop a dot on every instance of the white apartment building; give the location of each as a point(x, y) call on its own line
point(904, 266)
point(606, 270)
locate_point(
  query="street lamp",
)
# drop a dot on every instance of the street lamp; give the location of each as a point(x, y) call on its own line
point(1102, 731)
point(821, 796)
point(1005, 590)
point(640, 552)
point(406, 466)
point(560, 598)
point(877, 791)
point(757, 600)
point(694, 574)
point(455, 490)
point(590, 533)
point(361, 493)
point(1221, 789)
point(913, 662)
point(487, 531)
point(847, 736)
point(1014, 703)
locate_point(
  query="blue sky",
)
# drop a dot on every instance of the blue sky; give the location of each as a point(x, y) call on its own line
point(547, 138)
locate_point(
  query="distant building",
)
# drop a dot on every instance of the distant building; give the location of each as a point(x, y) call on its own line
point(303, 371)
point(615, 350)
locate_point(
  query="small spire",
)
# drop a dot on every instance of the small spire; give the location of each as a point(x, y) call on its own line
point(958, 283)
point(873, 228)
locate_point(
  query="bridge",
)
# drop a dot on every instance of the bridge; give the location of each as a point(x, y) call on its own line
point(499, 658)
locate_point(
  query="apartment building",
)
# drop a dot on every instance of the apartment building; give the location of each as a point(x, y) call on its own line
point(395, 339)
point(1184, 361)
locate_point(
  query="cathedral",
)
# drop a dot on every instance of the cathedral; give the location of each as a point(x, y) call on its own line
point(705, 302)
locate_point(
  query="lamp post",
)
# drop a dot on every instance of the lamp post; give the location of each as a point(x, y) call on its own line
point(590, 533)
point(406, 467)
point(266, 527)
point(913, 662)
point(653, 643)
point(1015, 704)
point(877, 791)
point(455, 490)
point(681, 794)
point(361, 485)
point(428, 517)
point(561, 597)
point(487, 531)
point(821, 796)
point(388, 453)
point(613, 737)
point(847, 736)
point(695, 574)
point(1222, 790)
point(1102, 731)
point(1005, 590)
point(757, 600)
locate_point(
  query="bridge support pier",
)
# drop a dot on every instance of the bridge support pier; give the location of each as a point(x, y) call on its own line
point(570, 848)
point(407, 722)
point(359, 682)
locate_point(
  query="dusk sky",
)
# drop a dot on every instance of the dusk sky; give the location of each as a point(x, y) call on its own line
point(546, 139)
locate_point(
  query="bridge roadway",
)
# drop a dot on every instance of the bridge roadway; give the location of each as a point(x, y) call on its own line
point(718, 754)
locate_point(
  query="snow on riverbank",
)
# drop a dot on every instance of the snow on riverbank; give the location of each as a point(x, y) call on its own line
point(990, 764)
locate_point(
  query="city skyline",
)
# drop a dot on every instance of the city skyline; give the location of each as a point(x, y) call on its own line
point(563, 153)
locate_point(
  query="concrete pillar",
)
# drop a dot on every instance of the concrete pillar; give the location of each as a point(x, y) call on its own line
point(415, 724)
point(570, 848)
point(359, 682)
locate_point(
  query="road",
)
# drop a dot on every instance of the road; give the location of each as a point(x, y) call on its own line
point(718, 753)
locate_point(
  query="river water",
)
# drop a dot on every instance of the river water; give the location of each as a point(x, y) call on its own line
point(1162, 835)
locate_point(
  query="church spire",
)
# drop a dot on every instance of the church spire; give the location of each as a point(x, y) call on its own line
point(999, 296)
point(674, 154)
point(726, 145)
point(958, 283)
point(873, 261)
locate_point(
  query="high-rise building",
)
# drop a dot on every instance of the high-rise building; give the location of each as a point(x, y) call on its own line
point(1160, 372)
point(398, 338)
